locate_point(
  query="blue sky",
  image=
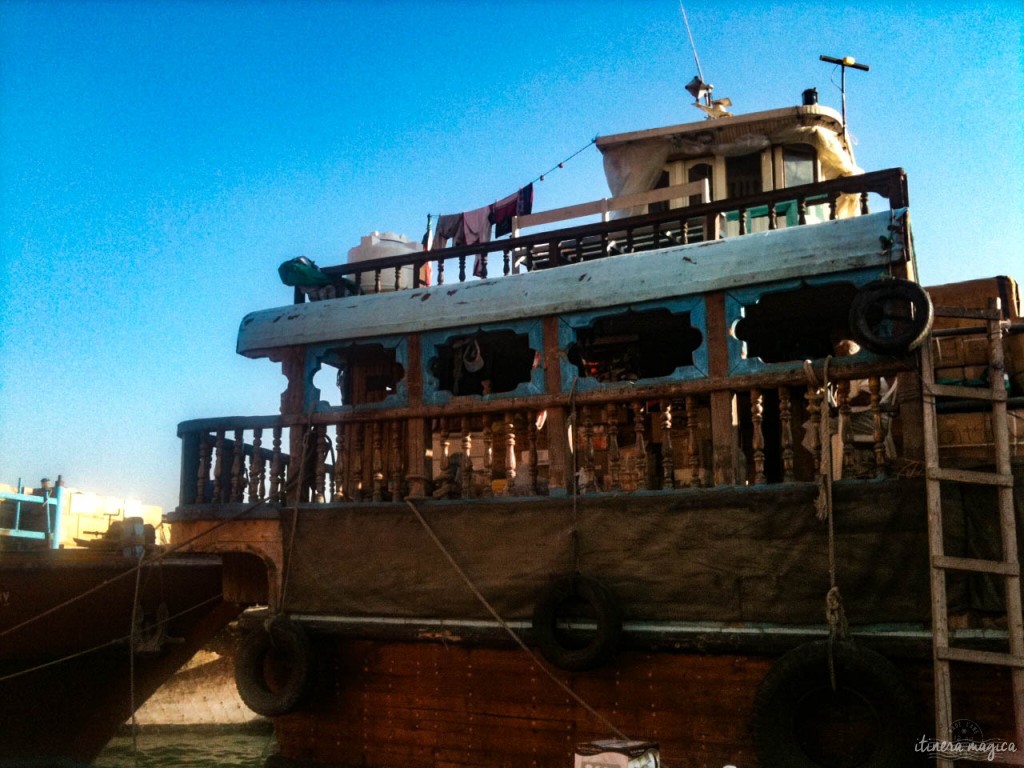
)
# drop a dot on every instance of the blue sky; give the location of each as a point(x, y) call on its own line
point(158, 160)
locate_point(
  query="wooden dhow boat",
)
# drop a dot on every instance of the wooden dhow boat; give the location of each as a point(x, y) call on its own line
point(714, 471)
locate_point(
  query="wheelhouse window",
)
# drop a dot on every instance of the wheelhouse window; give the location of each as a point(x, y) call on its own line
point(743, 175)
point(799, 164)
point(483, 363)
point(805, 323)
point(357, 374)
point(634, 345)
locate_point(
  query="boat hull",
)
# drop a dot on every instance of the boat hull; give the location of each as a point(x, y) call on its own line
point(68, 677)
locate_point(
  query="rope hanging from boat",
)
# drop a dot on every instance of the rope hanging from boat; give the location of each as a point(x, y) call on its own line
point(835, 615)
point(508, 629)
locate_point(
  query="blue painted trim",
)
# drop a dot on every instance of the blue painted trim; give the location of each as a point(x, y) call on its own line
point(434, 395)
point(736, 299)
point(570, 323)
point(316, 352)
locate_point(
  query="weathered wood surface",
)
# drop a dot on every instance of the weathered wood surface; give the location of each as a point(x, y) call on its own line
point(834, 246)
point(428, 705)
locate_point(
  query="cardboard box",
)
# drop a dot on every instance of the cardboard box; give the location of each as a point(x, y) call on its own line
point(968, 436)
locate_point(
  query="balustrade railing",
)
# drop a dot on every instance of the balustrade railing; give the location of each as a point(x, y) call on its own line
point(603, 444)
point(675, 226)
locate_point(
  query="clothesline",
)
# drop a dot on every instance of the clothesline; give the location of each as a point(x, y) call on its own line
point(471, 227)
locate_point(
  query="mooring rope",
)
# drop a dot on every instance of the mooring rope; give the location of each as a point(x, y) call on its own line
point(504, 625)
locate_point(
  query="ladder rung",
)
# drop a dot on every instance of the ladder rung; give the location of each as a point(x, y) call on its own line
point(978, 565)
point(976, 314)
point(969, 476)
point(965, 393)
point(979, 657)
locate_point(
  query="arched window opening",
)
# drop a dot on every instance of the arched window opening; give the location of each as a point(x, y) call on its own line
point(357, 374)
point(634, 345)
point(484, 363)
point(806, 323)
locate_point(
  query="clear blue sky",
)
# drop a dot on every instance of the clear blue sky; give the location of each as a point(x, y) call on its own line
point(159, 159)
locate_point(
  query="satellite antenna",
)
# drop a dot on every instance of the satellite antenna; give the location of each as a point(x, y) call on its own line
point(698, 87)
point(846, 61)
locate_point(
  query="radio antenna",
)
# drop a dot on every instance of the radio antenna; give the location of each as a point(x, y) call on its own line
point(846, 61)
point(689, 34)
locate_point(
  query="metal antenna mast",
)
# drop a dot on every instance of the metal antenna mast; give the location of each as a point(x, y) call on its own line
point(846, 61)
point(696, 58)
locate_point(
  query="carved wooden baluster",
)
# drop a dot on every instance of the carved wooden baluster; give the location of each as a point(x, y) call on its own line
point(275, 465)
point(376, 463)
point(483, 266)
point(743, 221)
point(510, 452)
point(238, 480)
point(467, 462)
point(757, 417)
point(877, 433)
point(692, 448)
point(814, 405)
point(589, 484)
point(668, 469)
point(532, 448)
point(376, 281)
point(614, 459)
point(218, 486)
point(833, 206)
point(340, 463)
point(440, 271)
point(257, 467)
point(446, 444)
point(802, 211)
point(358, 465)
point(203, 469)
point(843, 403)
point(773, 216)
point(319, 438)
point(398, 277)
point(864, 209)
point(462, 267)
point(506, 261)
point(395, 474)
point(786, 428)
point(639, 428)
point(488, 468)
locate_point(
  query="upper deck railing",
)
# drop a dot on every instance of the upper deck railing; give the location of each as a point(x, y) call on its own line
point(676, 226)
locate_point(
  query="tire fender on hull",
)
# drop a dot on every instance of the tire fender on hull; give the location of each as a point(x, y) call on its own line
point(273, 668)
point(601, 604)
point(891, 316)
point(870, 720)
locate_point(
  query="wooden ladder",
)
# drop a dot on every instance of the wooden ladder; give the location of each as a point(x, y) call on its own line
point(1009, 566)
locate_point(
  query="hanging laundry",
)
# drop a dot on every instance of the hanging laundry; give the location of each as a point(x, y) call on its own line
point(524, 206)
point(502, 213)
point(476, 228)
point(448, 226)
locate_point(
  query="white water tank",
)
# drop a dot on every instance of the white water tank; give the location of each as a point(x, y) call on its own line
point(378, 245)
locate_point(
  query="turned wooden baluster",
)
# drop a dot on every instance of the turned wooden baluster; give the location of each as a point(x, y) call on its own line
point(757, 418)
point(276, 470)
point(440, 271)
point(510, 452)
point(614, 458)
point(833, 206)
point(773, 216)
point(639, 429)
point(532, 448)
point(340, 491)
point(377, 463)
point(692, 450)
point(398, 277)
point(814, 406)
point(864, 209)
point(668, 468)
point(845, 429)
point(786, 428)
point(488, 468)
point(506, 261)
point(376, 281)
point(802, 211)
point(257, 472)
point(319, 448)
point(395, 475)
point(743, 220)
point(358, 468)
point(877, 433)
point(218, 487)
point(203, 470)
point(238, 467)
point(446, 443)
point(467, 462)
point(462, 268)
point(589, 484)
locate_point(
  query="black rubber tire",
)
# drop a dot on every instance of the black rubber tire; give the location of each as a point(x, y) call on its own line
point(870, 721)
point(606, 614)
point(891, 317)
point(282, 654)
